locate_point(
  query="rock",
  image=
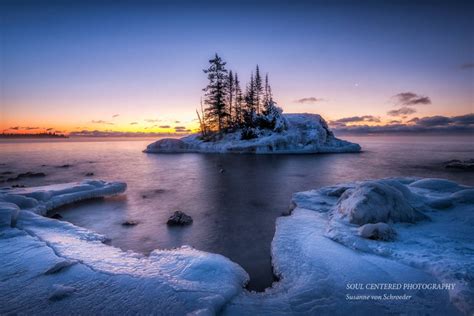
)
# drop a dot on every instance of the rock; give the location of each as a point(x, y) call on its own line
point(129, 223)
point(179, 218)
point(378, 231)
point(56, 216)
point(28, 174)
point(374, 202)
point(60, 292)
point(89, 174)
point(64, 166)
point(18, 186)
point(7, 172)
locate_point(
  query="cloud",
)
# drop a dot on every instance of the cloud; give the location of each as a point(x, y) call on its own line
point(395, 122)
point(410, 98)
point(401, 111)
point(165, 126)
point(96, 133)
point(49, 129)
point(152, 120)
point(133, 123)
point(30, 128)
point(356, 119)
point(467, 66)
point(463, 124)
point(101, 122)
point(15, 128)
point(309, 100)
point(115, 115)
point(177, 122)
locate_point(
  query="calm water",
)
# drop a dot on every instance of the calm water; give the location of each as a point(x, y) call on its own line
point(234, 212)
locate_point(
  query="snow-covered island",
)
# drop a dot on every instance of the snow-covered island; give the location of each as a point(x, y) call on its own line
point(293, 134)
point(400, 231)
point(232, 121)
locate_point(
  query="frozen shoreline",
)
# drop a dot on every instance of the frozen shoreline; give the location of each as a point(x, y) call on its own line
point(305, 134)
point(316, 251)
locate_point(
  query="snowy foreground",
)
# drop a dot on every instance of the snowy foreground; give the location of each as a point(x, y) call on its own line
point(303, 134)
point(397, 231)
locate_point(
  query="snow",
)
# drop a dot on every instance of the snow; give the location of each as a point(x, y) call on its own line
point(393, 231)
point(319, 248)
point(296, 133)
point(51, 266)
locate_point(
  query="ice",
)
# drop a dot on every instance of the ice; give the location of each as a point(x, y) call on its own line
point(440, 243)
point(318, 252)
point(295, 133)
point(51, 267)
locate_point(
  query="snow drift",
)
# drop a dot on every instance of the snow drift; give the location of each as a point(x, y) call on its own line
point(391, 231)
point(52, 267)
point(303, 133)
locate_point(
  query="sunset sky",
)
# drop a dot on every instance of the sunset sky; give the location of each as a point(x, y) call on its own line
point(137, 67)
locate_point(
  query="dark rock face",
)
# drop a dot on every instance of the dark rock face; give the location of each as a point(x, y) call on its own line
point(28, 174)
point(56, 216)
point(179, 218)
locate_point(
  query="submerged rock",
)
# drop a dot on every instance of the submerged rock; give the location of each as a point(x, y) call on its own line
point(179, 218)
point(378, 231)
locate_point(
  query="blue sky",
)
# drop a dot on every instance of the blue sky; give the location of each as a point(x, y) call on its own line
point(65, 64)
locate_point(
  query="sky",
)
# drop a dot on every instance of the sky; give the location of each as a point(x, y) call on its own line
point(120, 66)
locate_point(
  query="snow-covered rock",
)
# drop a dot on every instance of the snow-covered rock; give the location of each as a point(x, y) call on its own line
point(378, 231)
point(53, 267)
point(303, 133)
point(374, 202)
point(314, 268)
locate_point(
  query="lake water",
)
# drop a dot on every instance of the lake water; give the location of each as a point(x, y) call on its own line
point(234, 211)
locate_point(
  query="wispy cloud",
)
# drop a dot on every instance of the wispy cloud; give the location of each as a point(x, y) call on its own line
point(357, 119)
point(96, 133)
point(410, 98)
point(309, 100)
point(152, 120)
point(133, 123)
point(165, 126)
point(102, 122)
point(403, 111)
point(467, 66)
point(115, 115)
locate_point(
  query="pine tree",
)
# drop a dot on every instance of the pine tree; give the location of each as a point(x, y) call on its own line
point(215, 96)
point(230, 97)
point(268, 97)
point(258, 90)
point(239, 99)
point(250, 100)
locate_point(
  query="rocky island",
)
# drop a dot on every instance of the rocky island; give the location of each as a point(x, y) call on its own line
point(250, 122)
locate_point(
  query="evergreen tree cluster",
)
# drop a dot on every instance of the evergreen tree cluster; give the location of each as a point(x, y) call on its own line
point(226, 108)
